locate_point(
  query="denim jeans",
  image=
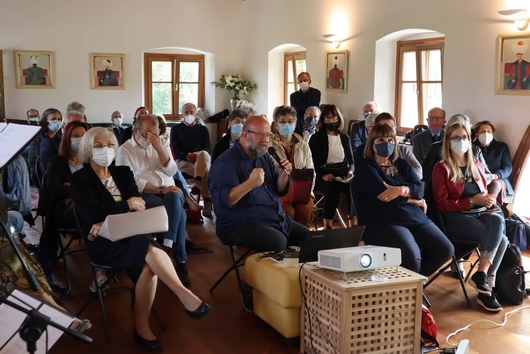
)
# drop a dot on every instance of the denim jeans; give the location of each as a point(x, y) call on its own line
point(174, 202)
point(179, 177)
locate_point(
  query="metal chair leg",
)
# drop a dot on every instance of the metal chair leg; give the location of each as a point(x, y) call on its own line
point(235, 265)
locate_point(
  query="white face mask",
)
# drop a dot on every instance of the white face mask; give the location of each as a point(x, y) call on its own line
point(143, 142)
point(303, 85)
point(485, 138)
point(103, 156)
point(460, 147)
point(189, 119)
point(117, 121)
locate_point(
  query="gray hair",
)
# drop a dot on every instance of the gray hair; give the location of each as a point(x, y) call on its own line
point(66, 117)
point(152, 117)
point(375, 104)
point(76, 106)
point(315, 108)
point(238, 113)
point(246, 104)
point(87, 142)
point(369, 120)
point(283, 111)
point(459, 118)
point(189, 104)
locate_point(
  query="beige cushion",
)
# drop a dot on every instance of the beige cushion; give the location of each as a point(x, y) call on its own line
point(285, 321)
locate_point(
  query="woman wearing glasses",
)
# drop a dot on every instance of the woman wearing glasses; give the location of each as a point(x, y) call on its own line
point(101, 189)
point(333, 161)
point(461, 195)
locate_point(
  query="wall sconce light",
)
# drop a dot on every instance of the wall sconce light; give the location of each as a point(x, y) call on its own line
point(333, 39)
point(518, 16)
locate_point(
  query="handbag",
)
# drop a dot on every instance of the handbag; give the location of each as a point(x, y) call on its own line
point(339, 169)
point(301, 184)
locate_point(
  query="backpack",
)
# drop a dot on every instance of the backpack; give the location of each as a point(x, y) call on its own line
point(510, 286)
point(516, 233)
point(429, 330)
point(526, 224)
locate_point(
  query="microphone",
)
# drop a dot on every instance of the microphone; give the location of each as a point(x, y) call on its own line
point(274, 154)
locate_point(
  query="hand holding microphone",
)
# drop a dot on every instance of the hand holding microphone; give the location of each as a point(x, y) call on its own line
point(283, 163)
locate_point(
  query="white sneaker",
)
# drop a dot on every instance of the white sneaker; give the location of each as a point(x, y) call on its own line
point(101, 280)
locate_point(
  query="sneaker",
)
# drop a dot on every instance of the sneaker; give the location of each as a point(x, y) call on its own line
point(182, 272)
point(80, 325)
point(207, 211)
point(489, 303)
point(479, 281)
point(247, 296)
point(101, 280)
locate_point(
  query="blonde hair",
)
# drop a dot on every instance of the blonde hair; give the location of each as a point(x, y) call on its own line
point(455, 173)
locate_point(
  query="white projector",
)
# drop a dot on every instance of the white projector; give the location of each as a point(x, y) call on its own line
point(352, 259)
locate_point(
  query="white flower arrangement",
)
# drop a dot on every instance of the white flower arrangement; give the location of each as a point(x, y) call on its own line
point(235, 85)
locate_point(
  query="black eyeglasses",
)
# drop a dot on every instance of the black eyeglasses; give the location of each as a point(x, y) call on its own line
point(457, 138)
point(101, 145)
point(262, 135)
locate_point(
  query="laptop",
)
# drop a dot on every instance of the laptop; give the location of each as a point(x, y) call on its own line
point(325, 240)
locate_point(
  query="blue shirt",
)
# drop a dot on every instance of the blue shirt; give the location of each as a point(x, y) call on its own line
point(261, 205)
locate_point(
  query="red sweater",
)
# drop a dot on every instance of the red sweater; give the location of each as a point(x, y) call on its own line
point(447, 194)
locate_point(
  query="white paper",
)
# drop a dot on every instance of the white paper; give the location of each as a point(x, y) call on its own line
point(13, 137)
point(119, 226)
point(11, 319)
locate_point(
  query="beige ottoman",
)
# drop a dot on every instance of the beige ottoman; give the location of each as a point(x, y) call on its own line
point(277, 298)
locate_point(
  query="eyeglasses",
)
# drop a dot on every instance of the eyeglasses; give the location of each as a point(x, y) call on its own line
point(262, 136)
point(101, 145)
point(457, 138)
point(331, 118)
point(433, 118)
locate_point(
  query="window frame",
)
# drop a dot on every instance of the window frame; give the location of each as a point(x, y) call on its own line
point(175, 59)
point(416, 46)
point(292, 56)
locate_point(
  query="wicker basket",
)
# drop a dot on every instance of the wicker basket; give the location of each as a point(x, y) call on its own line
point(353, 314)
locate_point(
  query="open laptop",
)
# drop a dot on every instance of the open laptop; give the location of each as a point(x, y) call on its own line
point(325, 240)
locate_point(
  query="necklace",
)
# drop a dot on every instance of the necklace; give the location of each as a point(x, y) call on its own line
point(337, 140)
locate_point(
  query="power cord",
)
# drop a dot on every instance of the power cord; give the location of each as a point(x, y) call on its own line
point(309, 313)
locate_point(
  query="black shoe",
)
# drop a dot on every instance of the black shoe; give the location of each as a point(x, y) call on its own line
point(182, 272)
point(490, 303)
point(154, 346)
point(479, 281)
point(247, 296)
point(201, 311)
point(189, 245)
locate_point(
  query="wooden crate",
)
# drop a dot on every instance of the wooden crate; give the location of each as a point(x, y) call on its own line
point(358, 315)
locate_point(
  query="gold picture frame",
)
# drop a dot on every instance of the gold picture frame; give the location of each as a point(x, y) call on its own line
point(513, 71)
point(107, 71)
point(337, 71)
point(34, 69)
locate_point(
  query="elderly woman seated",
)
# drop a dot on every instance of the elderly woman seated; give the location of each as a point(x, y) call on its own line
point(292, 147)
point(101, 189)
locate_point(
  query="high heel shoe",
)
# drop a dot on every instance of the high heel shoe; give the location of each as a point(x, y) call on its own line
point(201, 311)
point(154, 346)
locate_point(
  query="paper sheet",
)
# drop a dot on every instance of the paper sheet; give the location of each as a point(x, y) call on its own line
point(13, 137)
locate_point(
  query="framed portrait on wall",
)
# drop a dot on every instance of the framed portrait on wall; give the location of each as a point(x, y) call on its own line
point(337, 71)
point(107, 71)
point(513, 64)
point(34, 69)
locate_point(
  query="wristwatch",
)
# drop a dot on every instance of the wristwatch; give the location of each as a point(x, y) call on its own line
point(161, 189)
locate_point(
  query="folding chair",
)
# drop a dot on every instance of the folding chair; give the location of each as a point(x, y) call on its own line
point(317, 209)
point(236, 263)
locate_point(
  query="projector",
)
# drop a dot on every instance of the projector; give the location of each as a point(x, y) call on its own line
point(352, 259)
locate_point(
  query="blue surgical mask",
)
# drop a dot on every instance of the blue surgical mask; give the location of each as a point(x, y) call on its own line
point(55, 125)
point(384, 149)
point(310, 121)
point(34, 119)
point(117, 121)
point(366, 114)
point(236, 130)
point(74, 143)
point(286, 129)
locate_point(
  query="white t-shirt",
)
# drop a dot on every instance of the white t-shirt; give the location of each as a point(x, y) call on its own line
point(335, 150)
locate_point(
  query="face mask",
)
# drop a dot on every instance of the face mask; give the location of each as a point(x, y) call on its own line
point(485, 138)
point(236, 130)
point(332, 126)
point(117, 121)
point(286, 129)
point(55, 125)
point(310, 121)
point(460, 147)
point(103, 156)
point(189, 119)
point(36, 119)
point(366, 114)
point(143, 142)
point(384, 149)
point(159, 131)
point(74, 143)
point(303, 85)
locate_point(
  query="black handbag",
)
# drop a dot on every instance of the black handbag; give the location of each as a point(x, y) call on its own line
point(339, 169)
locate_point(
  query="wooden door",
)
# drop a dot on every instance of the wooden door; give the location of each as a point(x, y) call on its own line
point(2, 87)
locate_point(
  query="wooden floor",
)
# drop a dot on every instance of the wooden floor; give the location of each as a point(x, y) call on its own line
point(230, 329)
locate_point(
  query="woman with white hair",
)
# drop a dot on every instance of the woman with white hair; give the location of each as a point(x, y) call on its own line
point(101, 189)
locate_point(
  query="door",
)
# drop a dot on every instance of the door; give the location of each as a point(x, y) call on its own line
point(2, 87)
point(521, 172)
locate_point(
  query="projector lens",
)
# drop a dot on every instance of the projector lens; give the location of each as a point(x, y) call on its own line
point(365, 260)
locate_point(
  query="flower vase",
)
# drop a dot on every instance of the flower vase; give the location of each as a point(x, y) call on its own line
point(233, 103)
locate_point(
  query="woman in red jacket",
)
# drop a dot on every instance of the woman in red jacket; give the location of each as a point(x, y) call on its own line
point(461, 195)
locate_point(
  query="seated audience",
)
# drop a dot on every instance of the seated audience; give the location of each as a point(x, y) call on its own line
point(389, 199)
point(290, 146)
point(101, 189)
point(236, 119)
point(78, 107)
point(460, 193)
point(309, 126)
point(423, 141)
point(496, 154)
point(127, 132)
point(330, 146)
point(15, 187)
point(359, 131)
point(33, 116)
point(52, 120)
point(117, 127)
point(190, 143)
point(305, 97)
point(153, 167)
point(247, 106)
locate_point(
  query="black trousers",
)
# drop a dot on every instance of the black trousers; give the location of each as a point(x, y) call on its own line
point(332, 191)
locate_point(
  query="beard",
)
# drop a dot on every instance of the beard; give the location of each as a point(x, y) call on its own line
point(255, 151)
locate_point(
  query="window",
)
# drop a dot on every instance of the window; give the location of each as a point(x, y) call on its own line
point(172, 80)
point(294, 65)
point(419, 80)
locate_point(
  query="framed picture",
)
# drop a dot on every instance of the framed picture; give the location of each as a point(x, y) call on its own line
point(34, 69)
point(513, 65)
point(107, 71)
point(337, 71)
